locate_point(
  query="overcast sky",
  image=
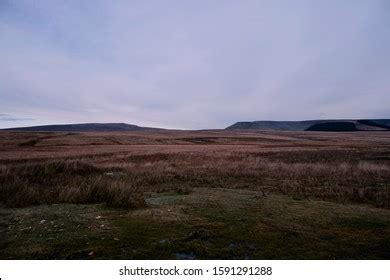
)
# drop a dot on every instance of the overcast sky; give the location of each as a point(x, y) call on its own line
point(192, 64)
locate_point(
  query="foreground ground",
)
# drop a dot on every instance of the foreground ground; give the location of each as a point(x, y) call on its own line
point(195, 195)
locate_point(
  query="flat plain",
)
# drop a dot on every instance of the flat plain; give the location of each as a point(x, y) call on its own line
point(195, 195)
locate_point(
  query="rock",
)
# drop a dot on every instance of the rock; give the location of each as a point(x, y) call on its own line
point(26, 229)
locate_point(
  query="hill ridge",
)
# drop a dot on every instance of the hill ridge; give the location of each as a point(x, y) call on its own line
point(316, 125)
point(84, 127)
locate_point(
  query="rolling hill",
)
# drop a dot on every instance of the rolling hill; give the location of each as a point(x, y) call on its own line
point(310, 125)
point(316, 125)
point(85, 127)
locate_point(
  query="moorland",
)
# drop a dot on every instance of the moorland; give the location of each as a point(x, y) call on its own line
point(218, 194)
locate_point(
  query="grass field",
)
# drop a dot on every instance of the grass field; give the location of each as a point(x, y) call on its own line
point(195, 195)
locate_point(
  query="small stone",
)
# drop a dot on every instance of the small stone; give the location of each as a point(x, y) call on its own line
point(42, 221)
point(98, 217)
point(116, 239)
point(91, 253)
point(26, 229)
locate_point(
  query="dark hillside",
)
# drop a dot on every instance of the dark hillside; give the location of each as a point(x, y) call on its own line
point(86, 127)
point(333, 126)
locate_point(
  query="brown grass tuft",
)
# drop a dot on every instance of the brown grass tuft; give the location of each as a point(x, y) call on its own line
point(65, 182)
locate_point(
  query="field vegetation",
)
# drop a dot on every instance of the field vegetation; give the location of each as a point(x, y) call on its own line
point(217, 194)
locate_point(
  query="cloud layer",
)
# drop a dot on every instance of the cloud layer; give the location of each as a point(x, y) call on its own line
point(193, 64)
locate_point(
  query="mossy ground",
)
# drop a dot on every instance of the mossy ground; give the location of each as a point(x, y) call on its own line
point(208, 223)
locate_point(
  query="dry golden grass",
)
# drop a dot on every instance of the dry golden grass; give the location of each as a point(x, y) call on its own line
point(120, 169)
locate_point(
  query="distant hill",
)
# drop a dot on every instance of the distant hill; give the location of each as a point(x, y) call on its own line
point(311, 125)
point(273, 125)
point(316, 125)
point(85, 127)
point(333, 126)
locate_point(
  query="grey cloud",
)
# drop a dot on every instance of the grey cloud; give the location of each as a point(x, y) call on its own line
point(197, 64)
